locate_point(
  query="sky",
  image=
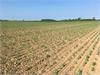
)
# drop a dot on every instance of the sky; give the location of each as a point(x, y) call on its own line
point(49, 9)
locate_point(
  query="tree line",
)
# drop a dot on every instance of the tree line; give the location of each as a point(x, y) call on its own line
point(54, 20)
point(76, 19)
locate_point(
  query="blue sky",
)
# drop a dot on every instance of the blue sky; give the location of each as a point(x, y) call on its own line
point(53, 9)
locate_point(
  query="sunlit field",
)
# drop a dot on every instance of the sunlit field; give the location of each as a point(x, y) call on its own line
point(50, 48)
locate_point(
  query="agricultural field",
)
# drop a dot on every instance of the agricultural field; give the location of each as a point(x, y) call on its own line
point(50, 48)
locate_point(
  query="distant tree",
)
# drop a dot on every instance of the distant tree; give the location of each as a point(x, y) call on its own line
point(3, 20)
point(93, 18)
point(64, 20)
point(48, 20)
point(23, 20)
point(79, 18)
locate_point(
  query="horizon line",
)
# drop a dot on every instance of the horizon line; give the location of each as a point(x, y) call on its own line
point(70, 19)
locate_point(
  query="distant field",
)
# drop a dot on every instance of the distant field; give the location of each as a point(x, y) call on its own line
point(50, 48)
point(25, 24)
